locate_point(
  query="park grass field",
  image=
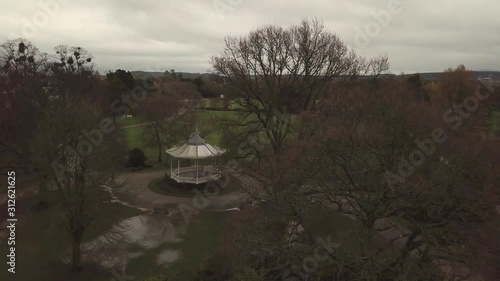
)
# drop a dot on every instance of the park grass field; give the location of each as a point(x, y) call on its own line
point(210, 121)
point(217, 103)
point(210, 124)
point(135, 139)
point(42, 243)
point(198, 243)
point(44, 248)
point(206, 121)
point(202, 238)
point(129, 121)
point(495, 123)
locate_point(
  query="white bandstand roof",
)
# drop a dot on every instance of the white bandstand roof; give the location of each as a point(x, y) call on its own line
point(195, 148)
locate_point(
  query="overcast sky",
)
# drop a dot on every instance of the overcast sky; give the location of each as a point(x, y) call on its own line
point(156, 35)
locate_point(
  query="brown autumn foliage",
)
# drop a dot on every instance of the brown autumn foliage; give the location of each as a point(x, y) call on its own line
point(465, 102)
point(456, 84)
point(181, 89)
point(469, 137)
point(360, 158)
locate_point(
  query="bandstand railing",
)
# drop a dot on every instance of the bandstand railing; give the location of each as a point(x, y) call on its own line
point(195, 175)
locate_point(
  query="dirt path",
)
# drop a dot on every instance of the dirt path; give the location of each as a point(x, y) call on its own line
point(136, 125)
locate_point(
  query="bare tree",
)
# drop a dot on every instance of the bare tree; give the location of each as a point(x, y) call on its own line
point(374, 158)
point(72, 74)
point(161, 113)
point(274, 72)
point(23, 78)
point(73, 59)
point(79, 161)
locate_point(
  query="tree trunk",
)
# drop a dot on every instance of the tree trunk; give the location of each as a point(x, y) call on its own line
point(158, 141)
point(42, 191)
point(159, 154)
point(75, 265)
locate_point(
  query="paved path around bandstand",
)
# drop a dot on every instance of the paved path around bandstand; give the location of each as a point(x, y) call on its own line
point(135, 192)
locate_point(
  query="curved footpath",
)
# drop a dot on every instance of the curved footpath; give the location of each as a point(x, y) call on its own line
point(135, 191)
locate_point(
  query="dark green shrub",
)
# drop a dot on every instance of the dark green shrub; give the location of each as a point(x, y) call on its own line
point(136, 158)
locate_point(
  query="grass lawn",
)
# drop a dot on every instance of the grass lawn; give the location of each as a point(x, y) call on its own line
point(217, 103)
point(205, 122)
point(166, 186)
point(209, 120)
point(41, 244)
point(135, 138)
point(495, 123)
point(198, 243)
point(128, 121)
point(209, 123)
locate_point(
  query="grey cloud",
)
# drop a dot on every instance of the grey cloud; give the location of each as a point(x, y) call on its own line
point(158, 35)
